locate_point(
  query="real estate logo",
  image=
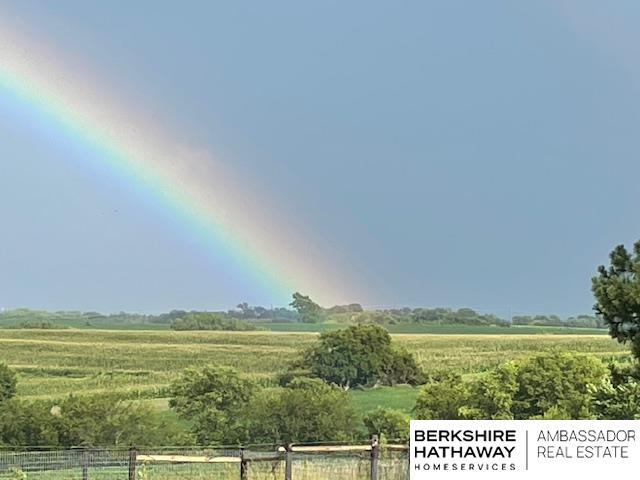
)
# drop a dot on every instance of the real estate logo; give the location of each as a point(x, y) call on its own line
point(522, 449)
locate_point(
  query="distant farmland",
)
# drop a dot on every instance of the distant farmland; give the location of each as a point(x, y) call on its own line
point(141, 364)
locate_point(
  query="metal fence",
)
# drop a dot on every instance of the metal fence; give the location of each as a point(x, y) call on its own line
point(290, 462)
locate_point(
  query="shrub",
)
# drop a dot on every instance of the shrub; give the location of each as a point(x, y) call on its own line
point(210, 321)
point(563, 380)
point(308, 410)
point(443, 399)
point(390, 425)
point(619, 401)
point(214, 399)
point(7, 383)
point(88, 421)
point(548, 385)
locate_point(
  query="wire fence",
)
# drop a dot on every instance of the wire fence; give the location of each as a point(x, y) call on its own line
point(291, 462)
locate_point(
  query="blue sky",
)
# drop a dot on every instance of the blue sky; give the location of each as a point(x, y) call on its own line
point(478, 154)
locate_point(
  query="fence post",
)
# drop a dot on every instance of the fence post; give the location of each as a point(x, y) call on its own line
point(288, 466)
point(133, 463)
point(85, 464)
point(375, 457)
point(244, 470)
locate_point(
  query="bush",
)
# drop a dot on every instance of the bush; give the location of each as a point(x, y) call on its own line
point(563, 380)
point(492, 394)
point(87, 421)
point(360, 355)
point(210, 321)
point(7, 383)
point(215, 400)
point(23, 423)
point(308, 410)
point(443, 399)
point(390, 425)
point(549, 385)
point(619, 401)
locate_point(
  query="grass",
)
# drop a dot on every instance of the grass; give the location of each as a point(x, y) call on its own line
point(401, 398)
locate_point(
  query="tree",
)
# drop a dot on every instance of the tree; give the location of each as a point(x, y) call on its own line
point(565, 381)
point(308, 310)
point(387, 423)
point(617, 293)
point(307, 410)
point(88, 421)
point(443, 399)
point(360, 355)
point(214, 399)
point(108, 420)
point(549, 385)
point(492, 395)
point(210, 321)
point(618, 402)
point(7, 383)
point(26, 423)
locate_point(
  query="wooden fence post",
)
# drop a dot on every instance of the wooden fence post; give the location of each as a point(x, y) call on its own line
point(288, 458)
point(85, 464)
point(375, 457)
point(133, 463)
point(244, 470)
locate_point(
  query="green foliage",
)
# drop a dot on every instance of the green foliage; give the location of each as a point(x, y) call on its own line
point(210, 321)
point(308, 310)
point(579, 321)
point(543, 386)
point(7, 383)
point(443, 399)
point(360, 355)
point(88, 421)
point(215, 400)
point(562, 380)
point(390, 425)
point(27, 423)
point(17, 474)
point(307, 410)
point(492, 394)
point(618, 402)
point(106, 420)
point(617, 294)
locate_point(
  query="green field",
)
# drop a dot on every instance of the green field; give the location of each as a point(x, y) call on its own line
point(141, 364)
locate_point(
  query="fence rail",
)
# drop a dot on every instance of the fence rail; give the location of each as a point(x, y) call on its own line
point(373, 461)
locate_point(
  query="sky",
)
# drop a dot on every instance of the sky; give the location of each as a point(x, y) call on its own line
point(418, 153)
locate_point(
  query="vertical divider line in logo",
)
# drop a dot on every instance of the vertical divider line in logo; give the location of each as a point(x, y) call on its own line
point(526, 449)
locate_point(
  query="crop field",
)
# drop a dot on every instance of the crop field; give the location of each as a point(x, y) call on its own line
point(141, 364)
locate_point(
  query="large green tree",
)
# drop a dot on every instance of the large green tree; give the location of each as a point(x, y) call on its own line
point(360, 355)
point(617, 293)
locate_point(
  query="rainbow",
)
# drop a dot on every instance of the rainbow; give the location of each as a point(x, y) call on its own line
point(193, 189)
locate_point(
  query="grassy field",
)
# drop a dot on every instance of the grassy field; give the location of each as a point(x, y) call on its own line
point(52, 363)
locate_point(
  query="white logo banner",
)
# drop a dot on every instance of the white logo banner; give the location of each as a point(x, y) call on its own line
point(523, 449)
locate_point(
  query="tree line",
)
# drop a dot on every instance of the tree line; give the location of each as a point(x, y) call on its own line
point(301, 309)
